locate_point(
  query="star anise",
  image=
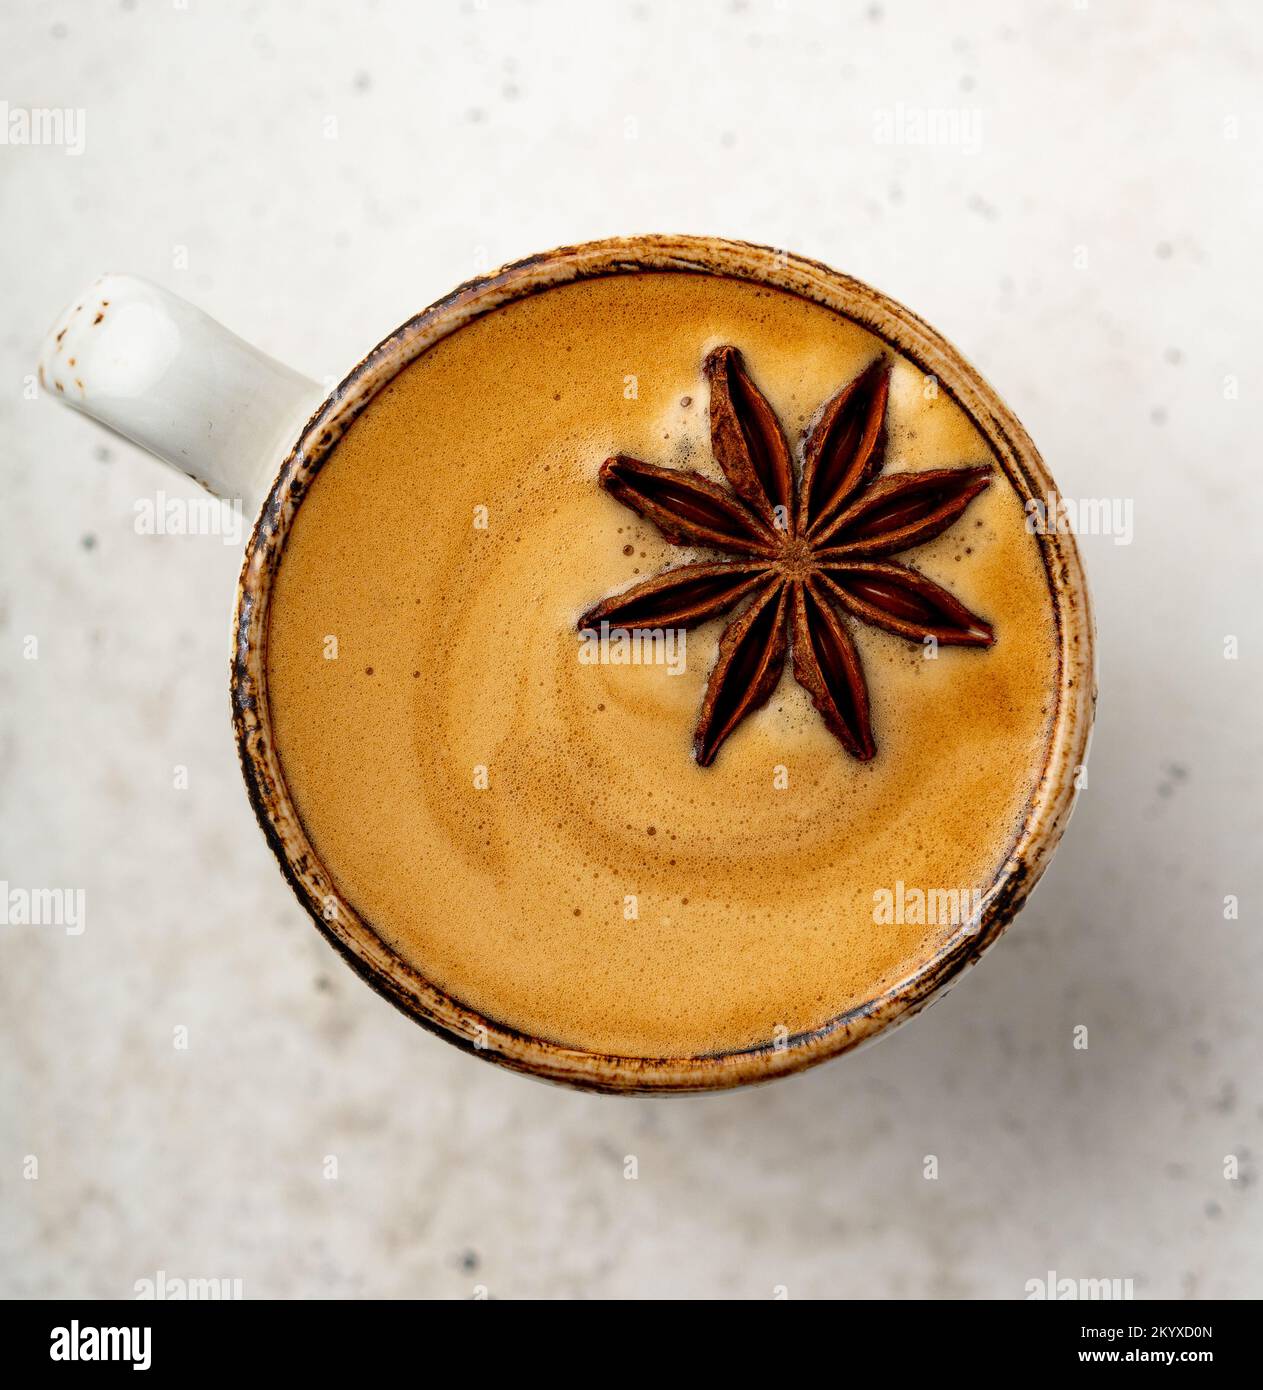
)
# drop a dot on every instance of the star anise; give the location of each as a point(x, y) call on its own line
point(806, 551)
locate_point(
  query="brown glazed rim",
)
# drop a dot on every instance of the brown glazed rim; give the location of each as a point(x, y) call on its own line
point(350, 934)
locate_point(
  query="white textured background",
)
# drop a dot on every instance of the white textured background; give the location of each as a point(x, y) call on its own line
point(1097, 257)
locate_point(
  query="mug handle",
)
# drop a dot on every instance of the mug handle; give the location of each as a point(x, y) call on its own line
point(151, 367)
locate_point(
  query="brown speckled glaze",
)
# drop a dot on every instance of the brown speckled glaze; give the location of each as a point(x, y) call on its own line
point(366, 953)
point(100, 306)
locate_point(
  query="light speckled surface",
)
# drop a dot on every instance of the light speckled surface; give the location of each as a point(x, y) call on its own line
point(475, 135)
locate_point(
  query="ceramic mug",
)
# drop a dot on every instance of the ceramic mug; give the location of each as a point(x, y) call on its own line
point(159, 371)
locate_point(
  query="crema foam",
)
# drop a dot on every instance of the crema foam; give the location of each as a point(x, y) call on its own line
point(526, 825)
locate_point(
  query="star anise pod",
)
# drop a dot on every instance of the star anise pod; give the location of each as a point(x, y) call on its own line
point(809, 547)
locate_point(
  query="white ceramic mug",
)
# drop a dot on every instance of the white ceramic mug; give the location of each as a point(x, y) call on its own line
point(154, 368)
point(161, 372)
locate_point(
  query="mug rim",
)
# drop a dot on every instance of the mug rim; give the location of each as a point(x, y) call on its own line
point(1048, 808)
